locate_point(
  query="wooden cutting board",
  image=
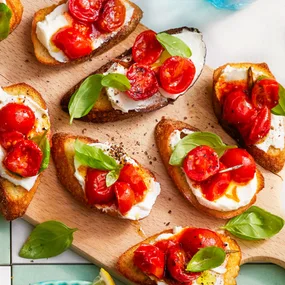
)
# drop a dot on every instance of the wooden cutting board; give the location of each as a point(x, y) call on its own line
point(101, 239)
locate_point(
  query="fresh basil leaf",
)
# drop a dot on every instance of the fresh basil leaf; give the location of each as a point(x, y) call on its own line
point(48, 239)
point(45, 147)
point(206, 258)
point(94, 157)
point(196, 139)
point(116, 80)
point(5, 17)
point(113, 176)
point(174, 45)
point(255, 224)
point(279, 110)
point(83, 100)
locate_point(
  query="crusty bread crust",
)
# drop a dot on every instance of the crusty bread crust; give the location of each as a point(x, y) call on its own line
point(272, 160)
point(103, 112)
point(63, 157)
point(14, 200)
point(162, 134)
point(126, 266)
point(43, 55)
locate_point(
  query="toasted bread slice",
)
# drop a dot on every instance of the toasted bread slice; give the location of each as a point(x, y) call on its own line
point(43, 55)
point(127, 267)
point(162, 134)
point(63, 157)
point(14, 200)
point(103, 111)
point(272, 160)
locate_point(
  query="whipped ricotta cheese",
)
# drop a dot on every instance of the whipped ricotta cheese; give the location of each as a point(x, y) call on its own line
point(139, 210)
point(3, 1)
point(57, 20)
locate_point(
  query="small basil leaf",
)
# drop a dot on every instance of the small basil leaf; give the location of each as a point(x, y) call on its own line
point(113, 176)
point(196, 139)
point(93, 157)
point(174, 45)
point(279, 110)
point(5, 17)
point(255, 224)
point(48, 239)
point(206, 258)
point(116, 80)
point(83, 99)
point(45, 147)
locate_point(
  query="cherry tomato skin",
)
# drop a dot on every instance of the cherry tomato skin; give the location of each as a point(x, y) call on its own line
point(24, 159)
point(85, 10)
point(201, 163)
point(17, 117)
point(112, 17)
point(237, 108)
point(193, 239)
point(176, 74)
point(265, 92)
point(9, 139)
point(150, 259)
point(176, 264)
point(238, 156)
point(130, 175)
point(146, 49)
point(216, 186)
point(125, 196)
point(96, 189)
point(165, 244)
point(143, 82)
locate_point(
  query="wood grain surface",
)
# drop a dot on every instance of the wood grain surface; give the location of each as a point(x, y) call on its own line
point(101, 239)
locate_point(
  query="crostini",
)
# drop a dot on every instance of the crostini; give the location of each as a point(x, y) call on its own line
point(247, 101)
point(24, 147)
point(103, 176)
point(11, 16)
point(155, 72)
point(162, 258)
point(219, 180)
point(75, 31)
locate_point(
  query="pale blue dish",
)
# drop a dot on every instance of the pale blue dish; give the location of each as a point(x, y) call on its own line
point(64, 283)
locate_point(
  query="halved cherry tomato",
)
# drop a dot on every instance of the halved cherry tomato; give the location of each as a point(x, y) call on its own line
point(265, 92)
point(238, 156)
point(216, 186)
point(201, 163)
point(146, 49)
point(176, 74)
point(96, 189)
point(9, 139)
point(143, 82)
point(194, 239)
point(165, 244)
point(150, 259)
point(237, 108)
point(85, 10)
point(129, 174)
point(17, 117)
point(113, 16)
point(24, 159)
point(176, 265)
point(125, 196)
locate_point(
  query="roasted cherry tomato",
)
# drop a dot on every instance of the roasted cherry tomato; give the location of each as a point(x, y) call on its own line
point(125, 196)
point(237, 108)
point(130, 175)
point(96, 189)
point(265, 92)
point(85, 10)
point(143, 82)
point(176, 265)
point(16, 117)
point(194, 239)
point(9, 139)
point(150, 259)
point(113, 16)
point(238, 156)
point(146, 49)
point(165, 244)
point(216, 186)
point(24, 159)
point(176, 74)
point(201, 163)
